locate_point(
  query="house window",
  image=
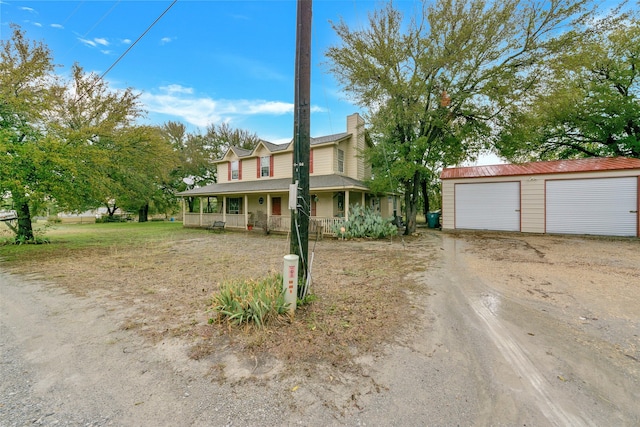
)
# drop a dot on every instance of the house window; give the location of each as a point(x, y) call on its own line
point(265, 166)
point(234, 205)
point(235, 170)
point(340, 160)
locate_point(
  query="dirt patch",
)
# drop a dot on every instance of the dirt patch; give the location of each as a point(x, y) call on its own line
point(164, 292)
point(587, 282)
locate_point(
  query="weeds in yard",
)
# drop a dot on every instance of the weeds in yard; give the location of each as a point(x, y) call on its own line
point(254, 302)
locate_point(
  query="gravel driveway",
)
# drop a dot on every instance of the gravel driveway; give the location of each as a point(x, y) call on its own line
point(508, 330)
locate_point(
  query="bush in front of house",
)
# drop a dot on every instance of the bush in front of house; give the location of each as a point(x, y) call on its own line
point(364, 222)
point(254, 302)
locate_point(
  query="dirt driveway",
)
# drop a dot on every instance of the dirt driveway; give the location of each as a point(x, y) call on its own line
point(504, 330)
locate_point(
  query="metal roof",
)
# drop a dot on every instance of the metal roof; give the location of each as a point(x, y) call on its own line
point(538, 168)
point(320, 182)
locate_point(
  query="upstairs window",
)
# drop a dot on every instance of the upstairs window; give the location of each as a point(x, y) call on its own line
point(340, 161)
point(235, 169)
point(265, 166)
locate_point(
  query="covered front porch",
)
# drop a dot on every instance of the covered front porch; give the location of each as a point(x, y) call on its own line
point(264, 204)
point(270, 212)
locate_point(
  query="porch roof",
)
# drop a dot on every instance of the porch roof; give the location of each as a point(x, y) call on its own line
point(316, 183)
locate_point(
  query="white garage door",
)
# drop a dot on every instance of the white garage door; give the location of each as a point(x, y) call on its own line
point(604, 206)
point(488, 206)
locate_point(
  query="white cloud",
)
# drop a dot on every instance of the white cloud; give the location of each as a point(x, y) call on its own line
point(269, 107)
point(171, 89)
point(28, 9)
point(178, 101)
point(87, 42)
point(126, 41)
point(165, 40)
point(101, 41)
point(37, 24)
point(57, 26)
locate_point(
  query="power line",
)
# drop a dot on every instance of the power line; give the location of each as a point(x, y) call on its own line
point(128, 49)
point(138, 39)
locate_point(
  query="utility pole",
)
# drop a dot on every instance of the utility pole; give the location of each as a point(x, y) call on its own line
point(302, 140)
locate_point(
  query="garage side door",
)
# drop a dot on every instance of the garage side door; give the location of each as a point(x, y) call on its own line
point(603, 206)
point(488, 206)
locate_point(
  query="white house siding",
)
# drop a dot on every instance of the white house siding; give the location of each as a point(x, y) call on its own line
point(249, 169)
point(324, 205)
point(531, 204)
point(355, 126)
point(282, 165)
point(532, 195)
point(323, 160)
point(223, 172)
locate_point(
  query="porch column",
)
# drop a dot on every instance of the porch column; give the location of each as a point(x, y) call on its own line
point(224, 209)
point(268, 209)
point(246, 210)
point(346, 205)
point(201, 210)
point(184, 212)
point(363, 200)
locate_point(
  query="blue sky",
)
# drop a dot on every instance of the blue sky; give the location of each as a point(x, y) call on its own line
point(204, 61)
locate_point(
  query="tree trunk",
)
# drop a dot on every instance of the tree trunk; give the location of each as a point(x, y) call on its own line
point(25, 230)
point(425, 196)
point(412, 188)
point(143, 213)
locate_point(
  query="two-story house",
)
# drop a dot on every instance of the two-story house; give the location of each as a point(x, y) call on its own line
point(253, 185)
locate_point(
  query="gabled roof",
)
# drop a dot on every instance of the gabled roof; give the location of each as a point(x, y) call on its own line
point(318, 182)
point(329, 138)
point(538, 168)
point(241, 152)
point(273, 147)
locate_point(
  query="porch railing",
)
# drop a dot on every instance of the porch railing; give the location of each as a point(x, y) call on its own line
point(193, 219)
point(279, 223)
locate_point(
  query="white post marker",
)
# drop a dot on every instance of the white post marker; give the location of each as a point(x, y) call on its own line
point(290, 281)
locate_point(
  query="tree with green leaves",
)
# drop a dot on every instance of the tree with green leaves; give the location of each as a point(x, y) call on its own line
point(434, 86)
point(124, 165)
point(221, 137)
point(589, 105)
point(33, 166)
point(197, 151)
point(72, 143)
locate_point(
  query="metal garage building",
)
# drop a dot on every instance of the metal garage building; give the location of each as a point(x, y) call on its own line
point(584, 196)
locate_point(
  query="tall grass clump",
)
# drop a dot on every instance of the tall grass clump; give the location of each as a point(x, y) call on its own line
point(249, 302)
point(364, 222)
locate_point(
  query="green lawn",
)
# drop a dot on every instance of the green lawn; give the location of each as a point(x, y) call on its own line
point(76, 237)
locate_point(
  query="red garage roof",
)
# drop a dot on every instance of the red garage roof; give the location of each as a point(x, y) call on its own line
point(537, 168)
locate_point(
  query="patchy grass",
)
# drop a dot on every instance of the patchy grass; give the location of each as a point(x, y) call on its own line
point(162, 278)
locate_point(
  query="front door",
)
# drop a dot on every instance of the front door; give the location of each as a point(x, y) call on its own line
point(276, 206)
